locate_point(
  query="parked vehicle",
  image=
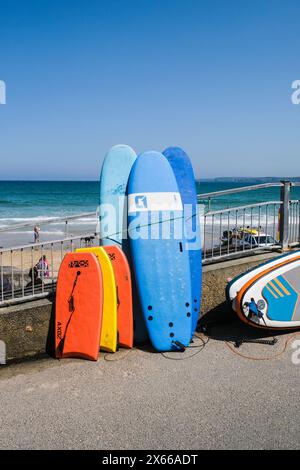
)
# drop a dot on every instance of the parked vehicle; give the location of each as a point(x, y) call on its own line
point(246, 238)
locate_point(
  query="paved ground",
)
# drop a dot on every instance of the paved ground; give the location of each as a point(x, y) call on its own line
point(213, 399)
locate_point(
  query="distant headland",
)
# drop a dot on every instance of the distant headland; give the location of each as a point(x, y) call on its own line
point(250, 179)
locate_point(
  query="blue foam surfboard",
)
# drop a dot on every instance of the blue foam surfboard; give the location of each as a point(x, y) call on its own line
point(113, 214)
point(185, 178)
point(159, 254)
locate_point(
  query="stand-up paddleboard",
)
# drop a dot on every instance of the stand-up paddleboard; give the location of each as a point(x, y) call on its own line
point(113, 213)
point(185, 178)
point(108, 338)
point(235, 285)
point(78, 307)
point(271, 298)
point(159, 254)
point(124, 295)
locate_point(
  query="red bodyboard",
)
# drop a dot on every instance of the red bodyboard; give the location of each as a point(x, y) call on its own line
point(124, 294)
point(78, 310)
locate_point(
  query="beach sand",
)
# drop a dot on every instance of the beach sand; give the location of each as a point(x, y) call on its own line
point(15, 265)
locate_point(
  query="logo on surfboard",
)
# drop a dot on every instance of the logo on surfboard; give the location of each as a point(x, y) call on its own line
point(58, 331)
point(157, 201)
point(141, 202)
point(82, 263)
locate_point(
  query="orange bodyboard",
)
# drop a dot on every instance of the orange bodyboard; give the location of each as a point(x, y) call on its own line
point(78, 310)
point(124, 294)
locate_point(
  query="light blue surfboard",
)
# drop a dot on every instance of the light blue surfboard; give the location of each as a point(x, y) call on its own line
point(185, 178)
point(113, 214)
point(160, 258)
point(113, 184)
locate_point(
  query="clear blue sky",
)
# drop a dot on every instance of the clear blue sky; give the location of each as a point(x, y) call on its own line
point(212, 76)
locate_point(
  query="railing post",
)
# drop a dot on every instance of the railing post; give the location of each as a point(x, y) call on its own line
point(285, 195)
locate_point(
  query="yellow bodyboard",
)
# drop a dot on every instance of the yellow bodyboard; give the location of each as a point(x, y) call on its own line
point(109, 331)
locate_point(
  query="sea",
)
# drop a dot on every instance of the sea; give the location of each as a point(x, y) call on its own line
point(33, 202)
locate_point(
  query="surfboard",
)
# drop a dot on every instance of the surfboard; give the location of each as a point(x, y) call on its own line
point(78, 307)
point(108, 337)
point(114, 177)
point(234, 286)
point(185, 178)
point(113, 184)
point(159, 254)
point(124, 294)
point(271, 298)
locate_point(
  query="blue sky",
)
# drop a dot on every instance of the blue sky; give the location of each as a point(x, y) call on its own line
point(211, 76)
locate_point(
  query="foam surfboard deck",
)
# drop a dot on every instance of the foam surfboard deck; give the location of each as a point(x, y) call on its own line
point(159, 254)
point(78, 307)
point(108, 338)
point(124, 294)
point(114, 177)
point(113, 184)
point(234, 286)
point(275, 294)
point(185, 178)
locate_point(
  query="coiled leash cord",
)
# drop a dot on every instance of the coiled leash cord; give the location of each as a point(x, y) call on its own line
point(266, 358)
point(185, 358)
point(237, 343)
point(116, 357)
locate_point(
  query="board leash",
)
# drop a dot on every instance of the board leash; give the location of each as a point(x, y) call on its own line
point(71, 310)
point(199, 348)
point(265, 358)
point(235, 344)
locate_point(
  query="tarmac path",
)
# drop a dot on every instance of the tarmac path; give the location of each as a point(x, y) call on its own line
point(142, 400)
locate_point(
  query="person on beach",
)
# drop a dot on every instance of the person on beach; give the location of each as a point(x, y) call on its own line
point(35, 280)
point(6, 285)
point(43, 267)
point(36, 234)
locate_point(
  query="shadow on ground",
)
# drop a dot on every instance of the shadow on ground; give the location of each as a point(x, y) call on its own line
point(222, 324)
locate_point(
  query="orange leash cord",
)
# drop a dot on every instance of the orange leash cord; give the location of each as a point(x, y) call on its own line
point(267, 358)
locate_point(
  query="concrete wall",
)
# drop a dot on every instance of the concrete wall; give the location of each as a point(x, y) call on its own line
point(28, 329)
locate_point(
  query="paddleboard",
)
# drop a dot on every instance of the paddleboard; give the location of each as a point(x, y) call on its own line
point(113, 214)
point(159, 254)
point(185, 178)
point(271, 298)
point(78, 307)
point(124, 295)
point(235, 285)
point(108, 338)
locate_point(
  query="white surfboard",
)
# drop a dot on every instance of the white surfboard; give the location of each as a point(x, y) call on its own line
point(234, 286)
point(272, 299)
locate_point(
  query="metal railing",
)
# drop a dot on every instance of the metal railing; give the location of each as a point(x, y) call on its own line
point(30, 271)
point(240, 231)
point(237, 231)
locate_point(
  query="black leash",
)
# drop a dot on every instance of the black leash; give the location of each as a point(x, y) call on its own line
point(268, 342)
point(71, 310)
point(206, 327)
